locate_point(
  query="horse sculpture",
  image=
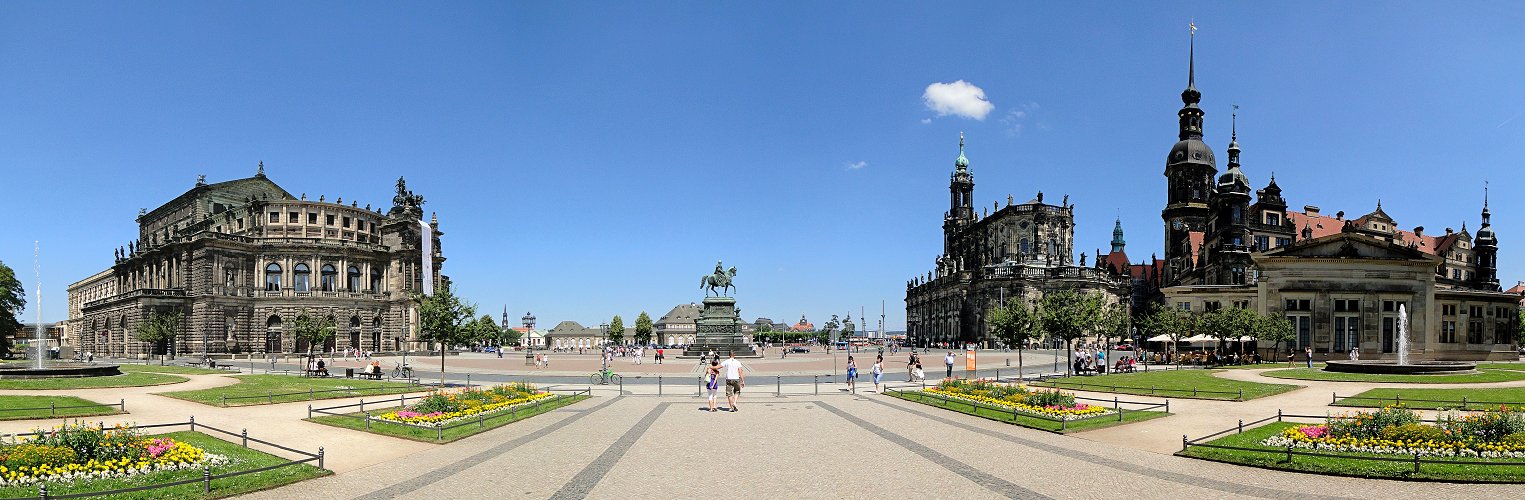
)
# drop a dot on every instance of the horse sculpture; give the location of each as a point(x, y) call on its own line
point(719, 279)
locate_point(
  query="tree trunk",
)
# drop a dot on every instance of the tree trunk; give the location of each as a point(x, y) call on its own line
point(1069, 360)
point(1019, 363)
point(442, 366)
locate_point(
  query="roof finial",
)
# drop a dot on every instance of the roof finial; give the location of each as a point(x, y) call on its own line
point(1191, 72)
point(1485, 196)
point(261, 171)
point(1379, 203)
point(1234, 125)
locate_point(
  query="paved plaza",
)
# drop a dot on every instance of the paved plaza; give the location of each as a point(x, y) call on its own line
point(834, 444)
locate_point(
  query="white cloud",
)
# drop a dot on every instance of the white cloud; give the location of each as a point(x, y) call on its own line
point(925, 121)
point(958, 98)
point(857, 165)
point(1015, 119)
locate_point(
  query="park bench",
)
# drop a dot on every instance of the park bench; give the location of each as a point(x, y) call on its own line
point(315, 373)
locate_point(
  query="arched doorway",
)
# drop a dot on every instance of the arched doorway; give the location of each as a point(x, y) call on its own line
point(273, 334)
point(376, 334)
point(354, 332)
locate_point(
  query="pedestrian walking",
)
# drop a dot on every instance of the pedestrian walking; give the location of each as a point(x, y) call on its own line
point(852, 373)
point(948, 360)
point(910, 367)
point(712, 382)
point(659, 355)
point(735, 379)
point(878, 372)
point(1308, 353)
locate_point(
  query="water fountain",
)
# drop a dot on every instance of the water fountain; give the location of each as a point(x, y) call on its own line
point(1402, 366)
point(39, 367)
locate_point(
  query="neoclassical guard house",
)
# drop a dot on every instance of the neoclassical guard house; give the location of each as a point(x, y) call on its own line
point(242, 259)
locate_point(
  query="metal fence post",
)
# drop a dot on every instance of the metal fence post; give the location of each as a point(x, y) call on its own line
point(52, 408)
point(206, 479)
point(362, 406)
point(193, 423)
point(1278, 414)
point(224, 400)
point(368, 421)
point(1334, 397)
point(1241, 394)
point(1184, 443)
point(439, 432)
point(1194, 391)
point(245, 435)
point(1416, 463)
point(309, 393)
point(1116, 405)
point(123, 402)
point(270, 396)
point(1167, 406)
point(468, 381)
point(309, 411)
point(479, 421)
point(320, 458)
point(1397, 399)
point(1463, 402)
point(42, 491)
point(1241, 426)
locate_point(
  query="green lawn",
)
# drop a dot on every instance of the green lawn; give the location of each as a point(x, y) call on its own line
point(1483, 375)
point(11, 407)
point(1192, 383)
point(126, 379)
point(242, 459)
point(265, 389)
point(1439, 398)
point(356, 421)
point(1276, 458)
point(1027, 421)
point(175, 369)
point(1501, 366)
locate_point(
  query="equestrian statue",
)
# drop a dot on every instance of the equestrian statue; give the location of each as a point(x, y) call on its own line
point(720, 279)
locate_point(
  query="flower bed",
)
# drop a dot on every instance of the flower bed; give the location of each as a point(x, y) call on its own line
point(1395, 430)
point(81, 452)
point(1047, 403)
point(444, 407)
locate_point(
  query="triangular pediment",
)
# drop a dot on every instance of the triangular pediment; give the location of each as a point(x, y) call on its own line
point(1348, 246)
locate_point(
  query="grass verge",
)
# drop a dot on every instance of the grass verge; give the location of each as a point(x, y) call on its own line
point(172, 369)
point(241, 459)
point(1438, 398)
point(1028, 421)
point(126, 379)
point(1192, 384)
point(356, 421)
point(268, 389)
point(1276, 458)
point(1484, 375)
point(27, 407)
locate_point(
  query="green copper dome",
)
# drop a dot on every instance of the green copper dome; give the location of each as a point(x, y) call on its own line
point(961, 162)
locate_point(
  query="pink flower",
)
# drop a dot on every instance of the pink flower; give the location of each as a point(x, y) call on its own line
point(1314, 431)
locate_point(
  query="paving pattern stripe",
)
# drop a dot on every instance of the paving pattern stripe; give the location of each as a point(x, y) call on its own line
point(442, 473)
point(1184, 479)
point(982, 478)
point(578, 487)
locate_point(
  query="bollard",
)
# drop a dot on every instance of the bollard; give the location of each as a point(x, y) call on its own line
point(439, 432)
point(309, 411)
point(816, 379)
point(659, 385)
point(1119, 414)
point(1194, 391)
point(997, 374)
point(1241, 394)
point(1115, 404)
point(1167, 406)
point(362, 406)
point(622, 386)
point(479, 421)
point(52, 407)
point(1241, 426)
point(320, 457)
point(193, 423)
point(269, 396)
point(367, 421)
point(1416, 463)
point(42, 491)
point(1184, 443)
point(245, 435)
point(206, 480)
point(778, 386)
point(1278, 414)
point(1334, 397)
point(123, 402)
point(468, 381)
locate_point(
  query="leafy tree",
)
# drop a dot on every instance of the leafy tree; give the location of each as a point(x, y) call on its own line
point(616, 330)
point(313, 332)
point(1014, 324)
point(1274, 328)
point(1173, 323)
point(157, 330)
point(12, 302)
point(1069, 316)
point(1113, 323)
point(443, 318)
point(1227, 324)
point(485, 330)
point(643, 328)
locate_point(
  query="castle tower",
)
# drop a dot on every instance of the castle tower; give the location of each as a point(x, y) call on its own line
point(1117, 236)
point(1228, 246)
point(1486, 246)
point(1189, 171)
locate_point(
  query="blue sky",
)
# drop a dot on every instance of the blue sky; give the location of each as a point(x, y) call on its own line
point(588, 159)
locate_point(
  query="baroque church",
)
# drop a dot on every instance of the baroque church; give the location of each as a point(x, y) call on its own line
point(1342, 281)
point(241, 260)
point(1019, 251)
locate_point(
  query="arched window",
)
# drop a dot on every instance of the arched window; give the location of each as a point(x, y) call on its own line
point(273, 334)
point(329, 279)
point(273, 277)
point(301, 277)
point(375, 280)
point(1024, 246)
point(353, 273)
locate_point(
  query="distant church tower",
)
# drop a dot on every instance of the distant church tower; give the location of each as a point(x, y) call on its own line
point(1189, 171)
point(1117, 236)
point(1487, 248)
point(960, 203)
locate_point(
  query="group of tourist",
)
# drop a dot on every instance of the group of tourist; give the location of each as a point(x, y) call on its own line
point(733, 374)
point(877, 371)
point(1090, 360)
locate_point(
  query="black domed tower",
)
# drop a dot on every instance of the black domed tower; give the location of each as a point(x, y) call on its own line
point(1189, 171)
point(960, 203)
point(1486, 246)
point(1228, 239)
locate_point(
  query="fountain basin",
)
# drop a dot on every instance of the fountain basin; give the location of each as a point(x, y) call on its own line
point(1390, 367)
point(57, 370)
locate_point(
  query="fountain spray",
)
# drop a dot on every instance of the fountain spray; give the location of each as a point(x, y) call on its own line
point(41, 339)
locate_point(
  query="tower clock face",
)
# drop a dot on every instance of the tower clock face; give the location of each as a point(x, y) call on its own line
point(1177, 225)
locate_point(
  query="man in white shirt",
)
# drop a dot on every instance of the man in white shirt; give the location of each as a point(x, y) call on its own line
point(735, 379)
point(948, 360)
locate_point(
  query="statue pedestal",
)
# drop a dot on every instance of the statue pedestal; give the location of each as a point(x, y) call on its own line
point(719, 329)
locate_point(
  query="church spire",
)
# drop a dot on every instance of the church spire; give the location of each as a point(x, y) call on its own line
point(962, 162)
point(1117, 236)
point(1191, 115)
point(1233, 141)
point(1485, 204)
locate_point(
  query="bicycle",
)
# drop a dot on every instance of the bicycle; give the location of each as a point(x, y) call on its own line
point(400, 370)
point(604, 377)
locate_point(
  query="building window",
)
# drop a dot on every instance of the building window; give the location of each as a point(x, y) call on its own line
point(1448, 331)
point(329, 278)
point(1236, 275)
point(275, 217)
point(1455, 274)
point(312, 217)
point(1212, 305)
point(1347, 305)
point(1448, 309)
point(300, 276)
point(328, 220)
point(1023, 245)
point(1475, 330)
point(1298, 305)
point(1281, 242)
point(1303, 325)
point(1273, 219)
point(273, 277)
point(346, 222)
point(375, 280)
point(353, 275)
point(1262, 242)
point(1184, 306)
point(1346, 333)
